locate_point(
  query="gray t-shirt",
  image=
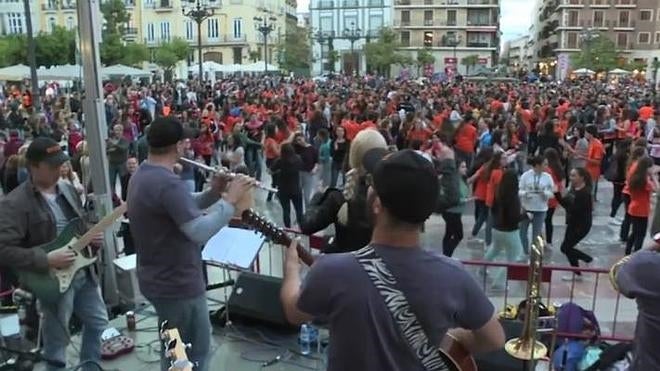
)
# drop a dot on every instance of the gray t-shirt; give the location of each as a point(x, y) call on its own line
point(169, 264)
point(363, 335)
point(638, 279)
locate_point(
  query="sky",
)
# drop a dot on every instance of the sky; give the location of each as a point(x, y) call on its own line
point(515, 20)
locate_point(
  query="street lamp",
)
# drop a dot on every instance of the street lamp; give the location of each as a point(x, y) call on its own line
point(265, 28)
point(198, 13)
point(353, 34)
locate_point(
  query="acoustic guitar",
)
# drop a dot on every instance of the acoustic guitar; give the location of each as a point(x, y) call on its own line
point(49, 286)
point(456, 357)
point(175, 349)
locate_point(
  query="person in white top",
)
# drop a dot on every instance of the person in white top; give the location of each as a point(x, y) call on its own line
point(535, 189)
point(69, 176)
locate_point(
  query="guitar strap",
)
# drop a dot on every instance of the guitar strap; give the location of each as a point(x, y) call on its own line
point(428, 354)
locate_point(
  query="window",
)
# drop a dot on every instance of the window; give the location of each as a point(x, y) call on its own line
point(325, 24)
point(599, 18)
point(405, 38)
point(16, 21)
point(151, 32)
point(238, 28)
point(646, 15)
point(624, 18)
point(657, 37)
point(238, 55)
point(451, 17)
point(51, 24)
point(213, 28)
point(350, 22)
point(428, 17)
point(165, 31)
point(621, 40)
point(475, 39)
point(572, 40)
point(70, 23)
point(190, 30)
point(405, 18)
point(376, 3)
point(375, 22)
point(600, 2)
point(644, 38)
point(428, 39)
point(572, 18)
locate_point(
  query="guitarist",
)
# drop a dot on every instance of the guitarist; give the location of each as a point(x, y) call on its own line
point(402, 194)
point(34, 214)
point(169, 225)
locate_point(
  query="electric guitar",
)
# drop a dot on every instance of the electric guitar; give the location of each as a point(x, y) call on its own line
point(456, 357)
point(175, 349)
point(49, 286)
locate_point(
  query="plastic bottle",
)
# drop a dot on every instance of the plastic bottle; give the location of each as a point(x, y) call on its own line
point(305, 339)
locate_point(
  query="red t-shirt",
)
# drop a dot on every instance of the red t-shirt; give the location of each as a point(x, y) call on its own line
point(640, 201)
point(466, 138)
point(491, 187)
point(480, 186)
point(595, 152)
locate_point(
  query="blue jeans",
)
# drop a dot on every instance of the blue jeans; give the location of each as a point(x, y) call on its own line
point(191, 317)
point(84, 298)
point(538, 218)
point(507, 243)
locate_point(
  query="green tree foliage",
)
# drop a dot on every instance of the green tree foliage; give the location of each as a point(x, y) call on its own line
point(55, 48)
point(598, 54)
point(655, 66)
point(115, 16)
point(114, 49)
point(295, 51)
point(169, 53)
point(13, 50)
point(424, 58)
point(469, 62)
point(333, 57)
point(381, 54)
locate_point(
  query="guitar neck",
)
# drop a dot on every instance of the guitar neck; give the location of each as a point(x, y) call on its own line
point(107, 221)
point(303, 253)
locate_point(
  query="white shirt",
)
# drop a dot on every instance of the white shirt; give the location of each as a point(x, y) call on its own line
point(535, 189)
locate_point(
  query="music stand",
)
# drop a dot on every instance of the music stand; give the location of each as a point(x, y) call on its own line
point(232, 249)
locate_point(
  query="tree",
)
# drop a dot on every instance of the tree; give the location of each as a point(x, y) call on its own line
point(333, 57)
point(597, 54)
point(55, 48)
point(13, 50)
point(381, 54)
point(134, 54)
point(115, 16)
point(424, 58)
point(469, 61)
point(169, 53)
point(295, 51)
point(655, 66)
point(254, 55)
point(113, 47)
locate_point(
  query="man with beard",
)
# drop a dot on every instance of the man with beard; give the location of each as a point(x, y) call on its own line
point(347, 289)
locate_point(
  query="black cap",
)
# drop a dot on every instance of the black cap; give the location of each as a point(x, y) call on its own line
point(166, 131)
point(406, 183)
point(43, 149)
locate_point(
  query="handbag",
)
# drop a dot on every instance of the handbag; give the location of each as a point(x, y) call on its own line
point(428, 354)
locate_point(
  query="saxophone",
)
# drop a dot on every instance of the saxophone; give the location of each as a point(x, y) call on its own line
point(526, 347)
point(615, 269)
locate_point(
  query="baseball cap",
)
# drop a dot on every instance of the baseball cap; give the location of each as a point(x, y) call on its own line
point(406, 183)
point(166, 131)
point(43, 149)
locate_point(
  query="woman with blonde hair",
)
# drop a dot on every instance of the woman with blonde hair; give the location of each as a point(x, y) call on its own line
point(68, 175)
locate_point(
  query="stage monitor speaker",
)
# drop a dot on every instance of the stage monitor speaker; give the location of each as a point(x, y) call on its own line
point(256, 298)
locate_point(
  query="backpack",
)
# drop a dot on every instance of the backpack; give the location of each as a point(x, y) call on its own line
point(573, 319)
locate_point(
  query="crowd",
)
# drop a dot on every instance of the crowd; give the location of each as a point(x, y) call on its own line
point(540, 146)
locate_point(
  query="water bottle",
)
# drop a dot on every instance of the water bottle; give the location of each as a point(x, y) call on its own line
point(305, 339)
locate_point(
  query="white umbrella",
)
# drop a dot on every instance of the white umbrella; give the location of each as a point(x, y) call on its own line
point(584, 71)
point(65, 72)
point(209, 66)
point(17, 72)
point(619, 71)
point(121, 70)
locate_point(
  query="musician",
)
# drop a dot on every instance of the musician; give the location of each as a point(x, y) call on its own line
point(169, 227)
point(34, 214)
point(443, 296)
point(636, 277)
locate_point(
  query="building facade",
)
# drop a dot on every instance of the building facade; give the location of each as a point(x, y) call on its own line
point(12, 17)
point(451, 30)
point(341, 28)
point(565, 26)
point(515, 52)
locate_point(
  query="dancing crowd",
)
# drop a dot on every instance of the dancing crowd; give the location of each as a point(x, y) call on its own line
point(520, 150)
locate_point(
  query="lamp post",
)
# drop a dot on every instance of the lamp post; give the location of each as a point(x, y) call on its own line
point(353, 34)
point(320, 37)
point(265, 27)
point(198, 13)
point(34, 79)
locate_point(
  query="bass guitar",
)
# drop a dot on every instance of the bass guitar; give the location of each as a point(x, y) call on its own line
point(456, 357)
point(175, 349)
point(49, 286)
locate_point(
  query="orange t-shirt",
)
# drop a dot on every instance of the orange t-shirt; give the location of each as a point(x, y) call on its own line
point(629, 173)
point(640, 201)
point(553, 203)
point(271, 149)
point(491, 187)
point(466, 138)
point(480, 186)
point(595, 152)
point(646, 113)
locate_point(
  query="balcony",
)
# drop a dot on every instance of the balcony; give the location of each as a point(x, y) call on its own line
point(229, 40)
point(69, 5)
point(625, 26)
point(625, 4)
point(49, 6)
point(428, 22)
point(350, 3)
point(163, 5)
point(326, 4)
point(575, 4)
point(479, 45)
point(446, 3)
point(602, 4)
point(375, 3)
point(130, 33)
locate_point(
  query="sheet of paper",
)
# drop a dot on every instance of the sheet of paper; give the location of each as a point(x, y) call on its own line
point(234, 247)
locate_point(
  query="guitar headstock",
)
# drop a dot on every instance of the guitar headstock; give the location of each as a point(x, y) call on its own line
point(175, 349)
point(265, 227)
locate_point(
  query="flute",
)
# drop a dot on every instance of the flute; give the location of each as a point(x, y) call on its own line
point(225, 172)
